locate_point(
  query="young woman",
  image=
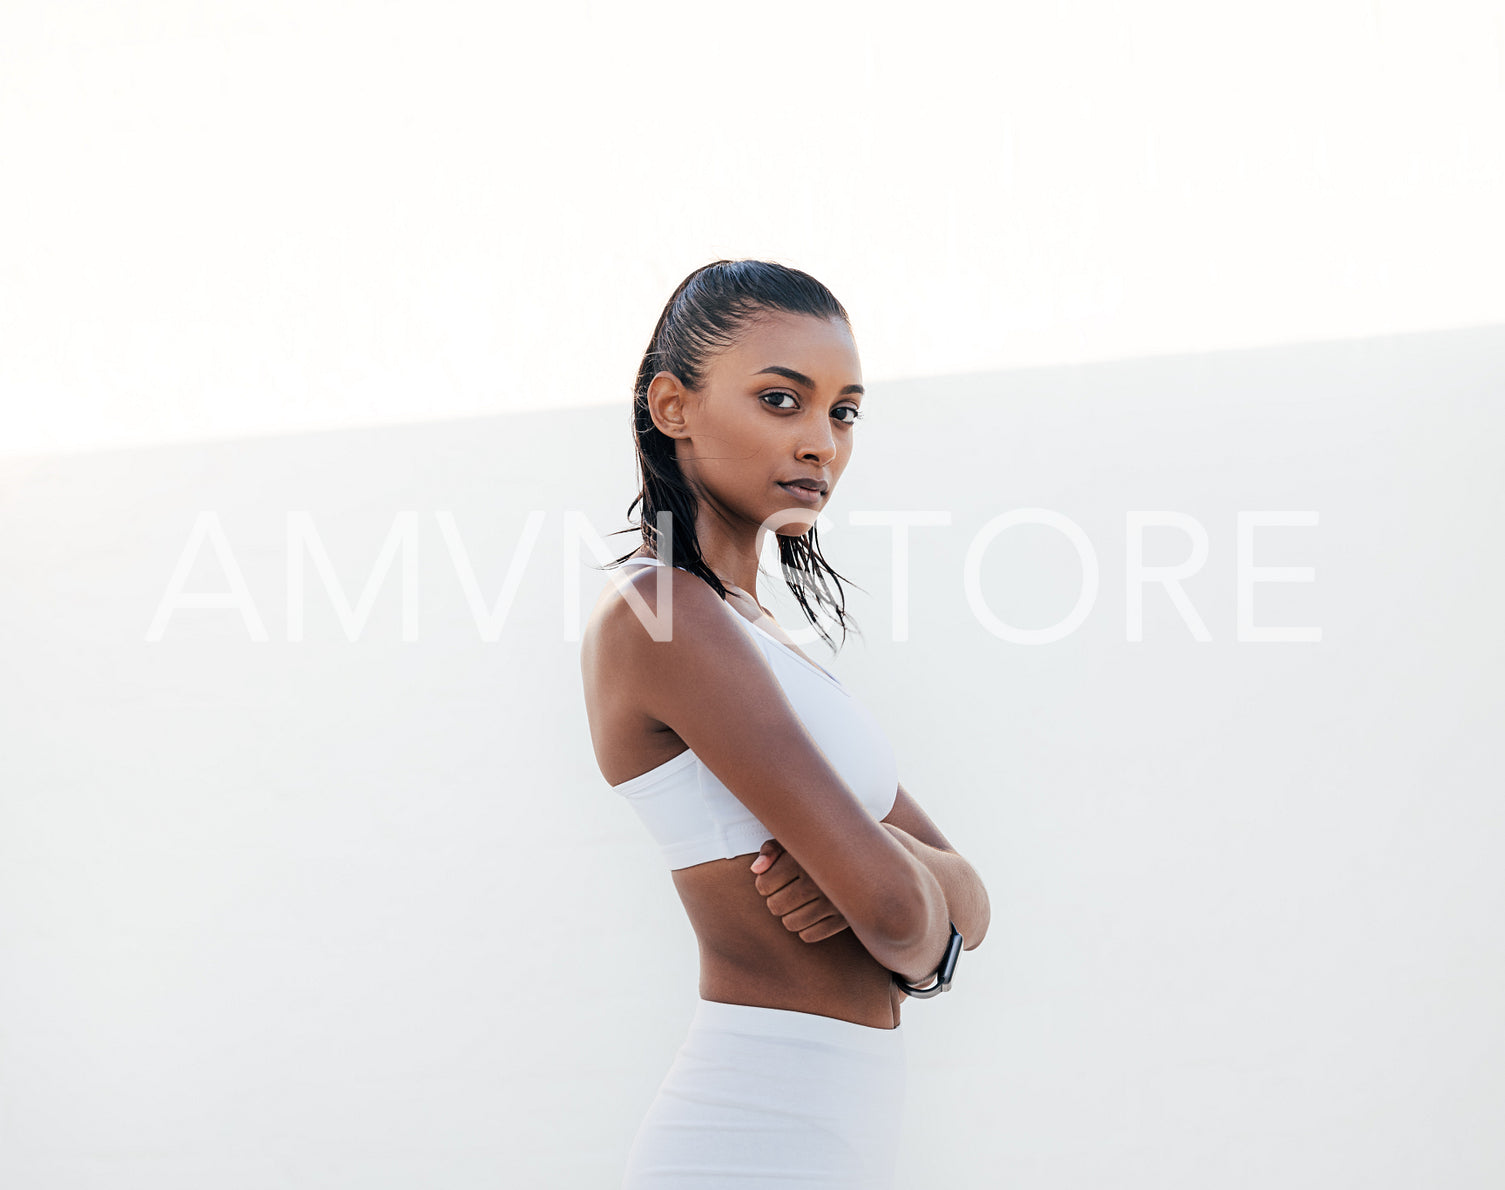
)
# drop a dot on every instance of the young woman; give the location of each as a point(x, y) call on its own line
point(813, 880)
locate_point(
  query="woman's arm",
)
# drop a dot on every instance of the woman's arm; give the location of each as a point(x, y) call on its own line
point(794, 898)
point(966, 899)
point(961, 888)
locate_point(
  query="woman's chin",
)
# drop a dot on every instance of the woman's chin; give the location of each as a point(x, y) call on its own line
point(792, 522)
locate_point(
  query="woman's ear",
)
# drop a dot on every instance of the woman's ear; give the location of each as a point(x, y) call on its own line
point(666, 405)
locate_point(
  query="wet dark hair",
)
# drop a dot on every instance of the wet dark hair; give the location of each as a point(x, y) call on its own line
point(703, 318)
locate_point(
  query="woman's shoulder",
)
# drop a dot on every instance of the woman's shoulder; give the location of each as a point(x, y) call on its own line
point(627, 610)
point(639, 655)
point(622, 621)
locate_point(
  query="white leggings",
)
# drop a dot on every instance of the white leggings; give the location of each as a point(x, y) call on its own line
point(768, 1097)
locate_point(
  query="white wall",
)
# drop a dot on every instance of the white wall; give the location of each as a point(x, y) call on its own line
point(249, 218)
point(329, 913)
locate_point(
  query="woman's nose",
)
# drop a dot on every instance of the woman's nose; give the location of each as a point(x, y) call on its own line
point(819, 445)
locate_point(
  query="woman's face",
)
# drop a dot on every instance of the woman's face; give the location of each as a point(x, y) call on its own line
point(776, 406)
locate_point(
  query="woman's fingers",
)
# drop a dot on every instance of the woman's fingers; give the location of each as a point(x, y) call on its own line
point(826, 928)
point(782, 871)
point(786, 898)
point(767, 854)
point(816, 921)
point(792, 896)
point(802, 918)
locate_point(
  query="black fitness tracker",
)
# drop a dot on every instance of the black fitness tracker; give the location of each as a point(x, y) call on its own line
point(943, 973)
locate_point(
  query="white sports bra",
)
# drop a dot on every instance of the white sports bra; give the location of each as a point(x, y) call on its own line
point(694, 817)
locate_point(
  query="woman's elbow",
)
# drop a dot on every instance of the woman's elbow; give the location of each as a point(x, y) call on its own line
point(917, 921)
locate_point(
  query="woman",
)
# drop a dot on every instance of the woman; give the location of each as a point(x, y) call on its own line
point(810, 876)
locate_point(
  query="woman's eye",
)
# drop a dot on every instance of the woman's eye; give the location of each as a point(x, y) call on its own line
point(852, 409)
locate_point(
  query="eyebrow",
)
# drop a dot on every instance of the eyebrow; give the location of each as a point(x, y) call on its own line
point(801, 378)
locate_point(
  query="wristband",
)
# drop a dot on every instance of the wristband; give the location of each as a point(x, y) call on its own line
point(943, 973)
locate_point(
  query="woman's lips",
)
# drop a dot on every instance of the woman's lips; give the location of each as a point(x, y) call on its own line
point(804, 495)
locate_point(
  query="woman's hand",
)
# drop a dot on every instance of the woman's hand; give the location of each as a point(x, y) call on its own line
point(791, 895)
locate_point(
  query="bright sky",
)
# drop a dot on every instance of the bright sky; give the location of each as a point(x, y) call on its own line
point(253, 218)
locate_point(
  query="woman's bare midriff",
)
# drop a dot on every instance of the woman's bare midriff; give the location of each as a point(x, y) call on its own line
point(748, 957)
